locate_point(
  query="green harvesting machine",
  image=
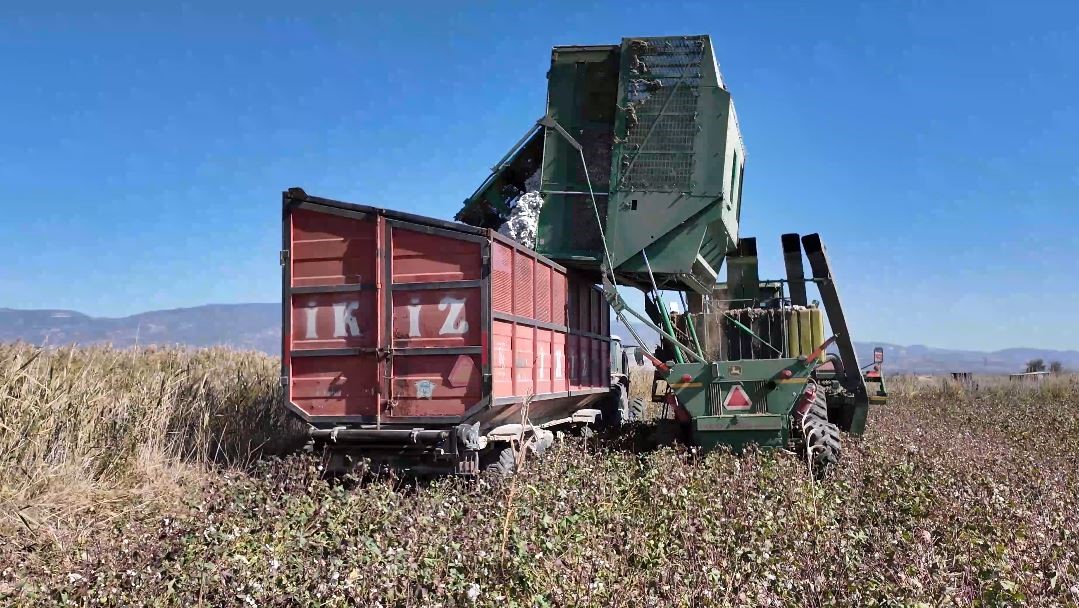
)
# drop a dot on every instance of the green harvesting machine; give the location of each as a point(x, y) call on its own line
point(639, 161)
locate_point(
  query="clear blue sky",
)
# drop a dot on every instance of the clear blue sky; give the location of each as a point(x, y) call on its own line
point(143, 149)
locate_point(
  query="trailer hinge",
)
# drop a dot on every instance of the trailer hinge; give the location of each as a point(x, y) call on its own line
point(282, 256)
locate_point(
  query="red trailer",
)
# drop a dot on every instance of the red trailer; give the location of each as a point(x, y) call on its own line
point(418, 341)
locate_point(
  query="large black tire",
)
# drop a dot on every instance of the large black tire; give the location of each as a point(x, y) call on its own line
point(502, 462)
point(636, 409)
point(823, 438)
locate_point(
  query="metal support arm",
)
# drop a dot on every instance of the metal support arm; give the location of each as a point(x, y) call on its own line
point(852, 377)
point(619, 305)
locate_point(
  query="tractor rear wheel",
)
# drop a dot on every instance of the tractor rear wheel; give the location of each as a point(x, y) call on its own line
point(617, 410)
point(823, 443)
point(636, 409)
point(503, 462)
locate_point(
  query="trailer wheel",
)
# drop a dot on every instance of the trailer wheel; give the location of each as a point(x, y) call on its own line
point(502, 462)
point(616, 411)
point(823, 441)
point(636, 409)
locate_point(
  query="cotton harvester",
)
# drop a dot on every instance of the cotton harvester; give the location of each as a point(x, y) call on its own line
point(639, 161)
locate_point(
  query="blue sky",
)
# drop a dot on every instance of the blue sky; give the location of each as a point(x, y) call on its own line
point(143, 149)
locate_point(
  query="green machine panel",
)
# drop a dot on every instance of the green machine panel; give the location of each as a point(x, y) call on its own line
point(677, 163)
point(582, 93)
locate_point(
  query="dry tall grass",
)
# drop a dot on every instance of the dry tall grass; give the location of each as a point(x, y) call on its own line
point(81, 428)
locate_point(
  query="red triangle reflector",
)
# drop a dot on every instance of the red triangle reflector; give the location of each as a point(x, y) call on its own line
point(737, 399)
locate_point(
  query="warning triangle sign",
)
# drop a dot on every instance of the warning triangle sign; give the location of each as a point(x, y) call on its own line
point(737, 399)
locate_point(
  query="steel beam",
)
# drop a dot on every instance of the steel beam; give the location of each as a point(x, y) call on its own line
point(743, 277)
point(852, 376)
point(792, 258)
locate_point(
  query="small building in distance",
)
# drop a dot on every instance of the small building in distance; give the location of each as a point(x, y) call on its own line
point(1029, 376)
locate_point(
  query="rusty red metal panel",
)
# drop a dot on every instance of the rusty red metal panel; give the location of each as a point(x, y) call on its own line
point(604, 317)
point(502, 359)
point(334, 320)
point(524, 354)
point(333, 271)
point(420, 257)
point(605, 363)
point(558, 297)
point(584, 361)
point(543, 361)
point(338, 295)
point(436, 317)
point(430, 311)
point(501, 277)
point(331, 250)
point(598, 367)
point(573, 355)
point(543, 292)
point(584, 303)
point(559, 372)
point(524, 296)
point(573, 307)
point(387, 321)
point(335, 386)
point(434, 385)
point(595, 325)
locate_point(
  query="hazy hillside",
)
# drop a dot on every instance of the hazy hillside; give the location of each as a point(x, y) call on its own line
point(247, 326)
point(257, 327)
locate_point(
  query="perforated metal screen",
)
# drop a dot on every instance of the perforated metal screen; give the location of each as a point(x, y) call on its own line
point(661, 114)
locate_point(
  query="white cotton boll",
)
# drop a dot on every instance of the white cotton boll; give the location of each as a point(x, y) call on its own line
point(524, 219)
point(533, 182)
point(473, 592)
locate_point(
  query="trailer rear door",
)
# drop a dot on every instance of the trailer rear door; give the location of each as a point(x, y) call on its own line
point(385, 318)
point(438, 320)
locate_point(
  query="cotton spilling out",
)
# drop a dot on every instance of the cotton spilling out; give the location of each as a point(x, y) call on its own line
point(524, 219)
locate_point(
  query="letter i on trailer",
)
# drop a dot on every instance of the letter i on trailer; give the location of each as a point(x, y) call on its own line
point(417, 342)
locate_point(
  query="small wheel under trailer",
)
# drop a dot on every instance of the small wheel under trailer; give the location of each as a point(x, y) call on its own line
point(460, 450)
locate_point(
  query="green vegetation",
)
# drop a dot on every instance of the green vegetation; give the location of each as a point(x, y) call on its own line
point(131, 479)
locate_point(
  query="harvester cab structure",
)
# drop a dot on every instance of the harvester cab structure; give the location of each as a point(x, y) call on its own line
point(633, 176)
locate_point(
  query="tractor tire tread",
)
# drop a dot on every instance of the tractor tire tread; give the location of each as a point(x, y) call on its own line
point(504, 464)
point(825, 439)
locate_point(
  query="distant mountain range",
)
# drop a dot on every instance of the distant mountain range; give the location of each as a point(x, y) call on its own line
point(245, 326)
point(258, 327)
